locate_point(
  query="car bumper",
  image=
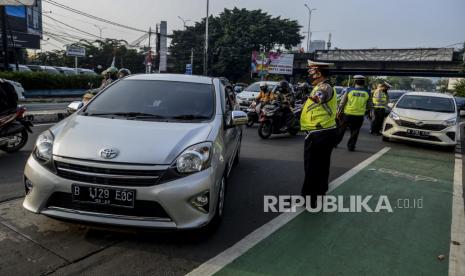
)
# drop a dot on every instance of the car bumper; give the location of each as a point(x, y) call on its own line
point(445, 137)
point(174, 197)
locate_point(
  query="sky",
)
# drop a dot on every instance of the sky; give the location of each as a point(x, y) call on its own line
point(354, 24)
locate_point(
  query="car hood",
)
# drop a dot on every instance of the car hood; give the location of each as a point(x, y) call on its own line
point(248, 94)
point(422, 115)
point(138, 142)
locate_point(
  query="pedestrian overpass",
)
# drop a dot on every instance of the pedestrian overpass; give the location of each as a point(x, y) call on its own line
point(421, 62)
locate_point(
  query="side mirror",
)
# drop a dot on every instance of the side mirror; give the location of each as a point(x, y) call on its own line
point(74, 106)
point(238, 118)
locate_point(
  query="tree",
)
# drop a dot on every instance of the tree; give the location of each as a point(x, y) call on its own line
point(423, 84)
point(459, 88)
point(233, 35)
point(442, 84)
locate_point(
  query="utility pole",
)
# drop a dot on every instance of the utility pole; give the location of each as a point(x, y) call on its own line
point(148, 65)
point(205, 60)
point(6, 65)
point(184, 21)
point(192, 60)
point(100, 29)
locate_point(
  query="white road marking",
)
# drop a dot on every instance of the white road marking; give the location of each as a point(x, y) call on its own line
point(215, 264)
point(457, 245)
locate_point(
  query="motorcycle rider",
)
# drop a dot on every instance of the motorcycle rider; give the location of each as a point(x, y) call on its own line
point(318, 121)
point(8, 98)
point(380, 104)
point(352, 109)
point(123, 72)
point(264, 96)
point(283, 94)
point(110, 75)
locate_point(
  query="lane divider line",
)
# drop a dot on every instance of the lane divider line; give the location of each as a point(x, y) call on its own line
point(457, 244)
point(215, 264)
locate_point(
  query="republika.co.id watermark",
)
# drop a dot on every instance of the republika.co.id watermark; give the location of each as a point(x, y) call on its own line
point(339, 203)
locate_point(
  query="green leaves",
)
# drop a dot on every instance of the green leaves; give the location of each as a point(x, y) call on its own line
point(233, 35)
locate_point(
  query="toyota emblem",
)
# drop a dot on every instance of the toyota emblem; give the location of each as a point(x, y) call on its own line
point(109, 153)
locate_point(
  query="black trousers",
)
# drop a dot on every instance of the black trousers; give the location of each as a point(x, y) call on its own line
point(378, 120)
point(354, 123)
point(317, 160)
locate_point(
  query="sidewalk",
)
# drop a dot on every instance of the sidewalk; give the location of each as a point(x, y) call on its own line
point(404, 242)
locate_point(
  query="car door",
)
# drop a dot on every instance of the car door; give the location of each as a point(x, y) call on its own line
point(231, 136)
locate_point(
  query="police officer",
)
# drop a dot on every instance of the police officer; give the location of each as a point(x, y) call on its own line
point(352, 109)
point(318, 121)
point(380, 105)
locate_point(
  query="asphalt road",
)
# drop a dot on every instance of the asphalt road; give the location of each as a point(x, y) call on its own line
point(47, 246)
point(46, 106)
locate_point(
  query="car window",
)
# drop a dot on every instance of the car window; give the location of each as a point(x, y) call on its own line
point(167, 99)
point(427, 103)
point(254, 87)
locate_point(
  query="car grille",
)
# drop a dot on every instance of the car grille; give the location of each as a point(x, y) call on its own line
point(432, 127)
point(426, 138)
point(106, 176)
point(147, 209)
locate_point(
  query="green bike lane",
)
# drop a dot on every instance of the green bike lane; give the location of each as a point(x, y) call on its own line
point(406, 241)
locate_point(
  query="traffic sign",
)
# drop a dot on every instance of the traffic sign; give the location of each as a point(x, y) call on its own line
point(188, 69)
point(75, 51)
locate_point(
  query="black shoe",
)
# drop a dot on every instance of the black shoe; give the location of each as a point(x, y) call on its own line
point(351, 149)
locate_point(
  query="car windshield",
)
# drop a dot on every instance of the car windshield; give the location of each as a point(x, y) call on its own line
point(255, 87)
point(148, 99)
point(427, 103)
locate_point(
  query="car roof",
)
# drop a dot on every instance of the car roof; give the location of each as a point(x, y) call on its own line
point(172, 77)
point(431, 94)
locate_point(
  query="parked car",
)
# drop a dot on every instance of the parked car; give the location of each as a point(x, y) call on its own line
point(248, 95)
point(158, 156)
point(21, 68)
point(41, 68)
point(83, 71)
point(460, 105)
point(18, 88)
point(421, 117)
point(66, 71)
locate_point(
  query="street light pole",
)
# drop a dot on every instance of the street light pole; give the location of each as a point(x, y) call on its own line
point(205, 60)
point(184, 21)
point(309, 34)
point(100, 29)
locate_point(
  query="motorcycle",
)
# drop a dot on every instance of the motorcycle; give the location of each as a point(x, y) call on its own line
point(271, 120)
point(14, 129)
point(252, 115)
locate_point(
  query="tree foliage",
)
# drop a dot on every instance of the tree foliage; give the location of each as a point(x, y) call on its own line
point(98, 53)
point(459, 88)
point(233, 35)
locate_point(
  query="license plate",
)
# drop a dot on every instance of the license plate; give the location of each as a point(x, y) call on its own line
point(418, 133)
point(103, 195)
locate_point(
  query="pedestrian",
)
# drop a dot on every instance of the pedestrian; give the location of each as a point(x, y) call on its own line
point(351, 112)
point(380, 106)
point(318, 121)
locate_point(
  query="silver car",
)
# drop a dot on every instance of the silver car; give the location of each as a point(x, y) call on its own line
point(148, 151)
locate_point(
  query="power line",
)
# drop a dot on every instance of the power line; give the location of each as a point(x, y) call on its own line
point(93, 16)
point(61, 22)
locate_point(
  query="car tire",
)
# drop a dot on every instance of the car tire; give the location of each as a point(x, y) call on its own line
point(265, 130)
point(219, 209)
point(386, 139)
point(238, 154)
point(293, 131)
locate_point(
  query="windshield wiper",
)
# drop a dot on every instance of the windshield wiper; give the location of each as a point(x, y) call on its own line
point(190, 117)
point(136, 115)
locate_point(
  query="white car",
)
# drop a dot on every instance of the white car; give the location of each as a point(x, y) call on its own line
point(18, 88)
point(423, 117)
point(248, 95)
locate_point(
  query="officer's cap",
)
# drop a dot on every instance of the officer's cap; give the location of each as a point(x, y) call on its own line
point(318, 64)
point(359, 77)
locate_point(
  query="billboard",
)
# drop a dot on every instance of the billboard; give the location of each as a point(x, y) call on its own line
point(272, 63)
point(25, 24)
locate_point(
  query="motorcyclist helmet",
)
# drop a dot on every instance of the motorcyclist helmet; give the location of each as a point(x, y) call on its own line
point(123, 72)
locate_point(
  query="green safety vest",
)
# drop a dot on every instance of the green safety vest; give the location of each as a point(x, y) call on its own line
point(317, 116)
point(380, 99)
point(356, 102)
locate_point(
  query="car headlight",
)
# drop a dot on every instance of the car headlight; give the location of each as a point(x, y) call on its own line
point(450, 122)
point(394, 116)
point(44, 146)
point(43, 150)
point(195, 158)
